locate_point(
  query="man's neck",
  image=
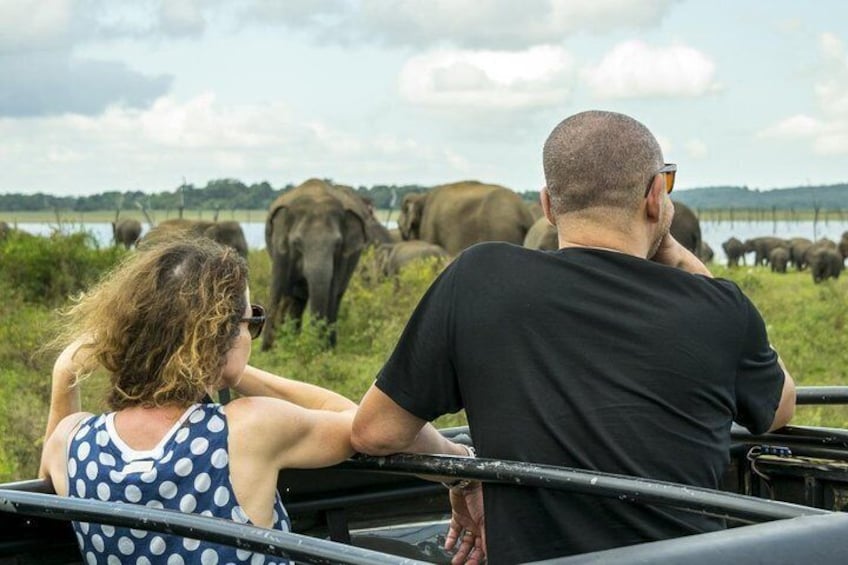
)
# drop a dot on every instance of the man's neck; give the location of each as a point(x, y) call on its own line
point(592, 235)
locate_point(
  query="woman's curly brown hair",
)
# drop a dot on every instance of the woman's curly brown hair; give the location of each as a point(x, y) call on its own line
point(162, 321)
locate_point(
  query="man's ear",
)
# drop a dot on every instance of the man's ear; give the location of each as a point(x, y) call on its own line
point(654, 200)
point(545, 201)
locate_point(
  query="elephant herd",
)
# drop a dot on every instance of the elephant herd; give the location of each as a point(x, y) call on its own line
point(316, 233)
point(825, 258)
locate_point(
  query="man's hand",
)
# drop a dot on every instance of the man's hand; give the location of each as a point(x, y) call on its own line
point(670, 252)
point(467, 525)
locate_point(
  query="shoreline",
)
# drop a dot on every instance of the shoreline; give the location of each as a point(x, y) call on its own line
point(74, 218)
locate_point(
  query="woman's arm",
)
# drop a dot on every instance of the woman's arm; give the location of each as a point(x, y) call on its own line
point(64, 390)
point(256, 382)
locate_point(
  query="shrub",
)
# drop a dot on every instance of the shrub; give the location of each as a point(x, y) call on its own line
point(47, 270)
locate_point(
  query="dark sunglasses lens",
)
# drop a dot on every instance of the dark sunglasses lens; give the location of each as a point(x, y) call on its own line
point(255, 327)
point(256, 321)
point(669, 181)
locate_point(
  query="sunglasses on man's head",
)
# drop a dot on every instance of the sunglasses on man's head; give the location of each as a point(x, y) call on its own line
point(670, 171)
point(256, 321)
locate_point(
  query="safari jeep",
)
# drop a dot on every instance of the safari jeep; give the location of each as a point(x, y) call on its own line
point(783, 496)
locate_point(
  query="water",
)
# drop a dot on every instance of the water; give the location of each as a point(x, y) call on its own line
point(714, 233)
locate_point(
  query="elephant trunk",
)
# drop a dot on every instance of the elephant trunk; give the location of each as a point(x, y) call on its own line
point(319, 278)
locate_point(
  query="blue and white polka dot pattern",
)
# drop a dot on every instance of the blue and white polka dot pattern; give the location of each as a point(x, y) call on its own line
point(191, 474)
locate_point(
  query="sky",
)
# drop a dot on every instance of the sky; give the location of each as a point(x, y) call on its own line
point(103, 95)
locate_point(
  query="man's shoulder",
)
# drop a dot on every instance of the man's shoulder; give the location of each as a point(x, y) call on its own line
point(490, 248)
point(497, 253)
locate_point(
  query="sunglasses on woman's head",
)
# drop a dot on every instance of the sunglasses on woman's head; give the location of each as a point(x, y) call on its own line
point(256, 321)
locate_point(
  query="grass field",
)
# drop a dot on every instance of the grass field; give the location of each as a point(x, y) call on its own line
point(806, 322)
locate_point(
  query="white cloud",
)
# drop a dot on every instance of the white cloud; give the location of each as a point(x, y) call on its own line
point(182, 17)
point(536, 77)
point(665, 145)
point(466, 23)
point(696, 149)
point(827, 133)
point(832, 143)
point(201, 139)
point(635, 69)
point(793, 127)
point(831, 48)
point(24, 27)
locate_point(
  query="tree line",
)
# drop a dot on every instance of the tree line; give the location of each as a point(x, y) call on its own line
point(232, 194)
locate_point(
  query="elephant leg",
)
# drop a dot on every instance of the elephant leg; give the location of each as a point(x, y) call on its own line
point(295, 307)
point(275, 313)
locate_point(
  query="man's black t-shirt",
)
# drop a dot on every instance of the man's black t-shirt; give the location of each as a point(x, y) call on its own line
point(592, 359)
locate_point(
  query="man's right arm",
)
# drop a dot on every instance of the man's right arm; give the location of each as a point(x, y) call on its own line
point(672, 253)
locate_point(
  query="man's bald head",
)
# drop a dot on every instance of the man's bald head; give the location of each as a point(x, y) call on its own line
point(599, 159)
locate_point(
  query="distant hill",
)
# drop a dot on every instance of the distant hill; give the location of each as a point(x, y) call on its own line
point(829, 197)
point(228, 194)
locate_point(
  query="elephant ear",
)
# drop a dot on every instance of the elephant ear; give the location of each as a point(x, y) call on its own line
point(354, 233)
point(412, 209)
point(278, 214)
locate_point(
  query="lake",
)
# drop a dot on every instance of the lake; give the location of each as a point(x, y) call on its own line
point(713, 232)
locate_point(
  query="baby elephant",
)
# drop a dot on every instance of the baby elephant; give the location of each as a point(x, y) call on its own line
point(779, 258)
point(825, 263)
point(395, 256)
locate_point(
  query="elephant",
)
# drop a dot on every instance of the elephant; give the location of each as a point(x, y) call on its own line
point(686, 228)
point(762, 246)
point(225, 233)
point(126, 232)
point(395, 235)
point(314, 235)
point(779, 258)
point(843, 245)
point(705, 252)
point(542, 235)
point(734, 249)
point(458, 215)
point(798, 247)
point(535, 210)
point(394, 256)
point(825, 262)
point(822, 243)
point(377, 233)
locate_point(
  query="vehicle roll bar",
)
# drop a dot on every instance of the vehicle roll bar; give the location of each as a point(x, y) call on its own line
point(720, 504)
point(304, 549)
point(807, 395)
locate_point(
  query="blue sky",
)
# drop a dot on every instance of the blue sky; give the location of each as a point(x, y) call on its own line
point(104, 95)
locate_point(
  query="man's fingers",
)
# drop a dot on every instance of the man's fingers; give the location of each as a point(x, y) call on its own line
point(454, 530)
point(467, 546)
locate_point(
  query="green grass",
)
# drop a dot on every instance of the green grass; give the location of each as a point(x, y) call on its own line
point(806, 323)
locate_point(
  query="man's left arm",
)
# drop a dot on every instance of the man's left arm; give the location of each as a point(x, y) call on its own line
point(786, 408)
point(765, 391)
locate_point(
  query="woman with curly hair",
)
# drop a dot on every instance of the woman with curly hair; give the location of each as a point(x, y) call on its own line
point(170, 325)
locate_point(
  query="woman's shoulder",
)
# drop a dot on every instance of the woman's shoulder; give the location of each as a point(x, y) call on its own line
point(69, 424)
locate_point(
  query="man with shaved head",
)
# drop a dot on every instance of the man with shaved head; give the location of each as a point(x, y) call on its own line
point(618, 352)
